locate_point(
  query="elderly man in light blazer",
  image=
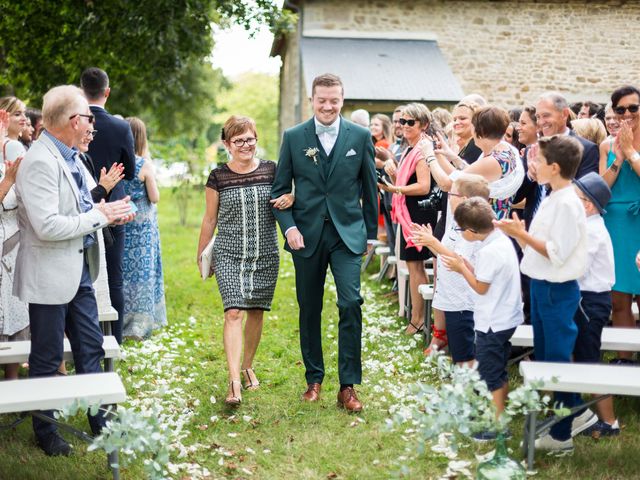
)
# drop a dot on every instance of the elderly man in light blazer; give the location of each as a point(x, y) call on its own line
point(58, 256)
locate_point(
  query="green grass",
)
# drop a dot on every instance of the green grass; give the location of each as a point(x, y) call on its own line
point(273, 435)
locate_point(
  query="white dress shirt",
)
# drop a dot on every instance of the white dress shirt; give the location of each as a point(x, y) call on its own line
point(600, 275)
point(328, 140)
point(561, 223)
point(500, 308)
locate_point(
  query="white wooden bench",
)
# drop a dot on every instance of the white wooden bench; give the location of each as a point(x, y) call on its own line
point(613, 339)
point(373, 250)
point(18, 352)
point(599, 380)
point(106, 315)
point(426, 291)
point(53, 393)
point(384, 253)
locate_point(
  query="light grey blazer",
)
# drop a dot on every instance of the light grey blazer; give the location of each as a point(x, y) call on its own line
point(52, 227)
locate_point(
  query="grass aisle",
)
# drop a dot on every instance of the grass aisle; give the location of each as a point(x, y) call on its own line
point(273, 435)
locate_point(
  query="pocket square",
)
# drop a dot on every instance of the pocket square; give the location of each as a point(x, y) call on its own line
point(351, 152)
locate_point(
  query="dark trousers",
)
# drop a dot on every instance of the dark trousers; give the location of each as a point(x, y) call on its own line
point(592, 315)
point(310, 277)
point(553, 306)
point(48, 323)
point(114, 255)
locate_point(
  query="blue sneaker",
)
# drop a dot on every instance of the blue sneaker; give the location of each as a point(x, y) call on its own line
point(602, 429)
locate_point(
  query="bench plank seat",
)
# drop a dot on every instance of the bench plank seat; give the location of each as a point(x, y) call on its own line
point(109, 314)
point(18, 352)
point(613, 339)
point(49, 393)
point(583, 377)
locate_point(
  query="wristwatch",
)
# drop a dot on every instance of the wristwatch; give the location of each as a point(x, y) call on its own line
point(635, 157)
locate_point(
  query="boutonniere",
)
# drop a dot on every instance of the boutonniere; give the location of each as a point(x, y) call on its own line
point(312, 152)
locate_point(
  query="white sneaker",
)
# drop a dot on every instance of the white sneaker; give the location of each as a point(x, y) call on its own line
point(582, 422)
point(547, 442)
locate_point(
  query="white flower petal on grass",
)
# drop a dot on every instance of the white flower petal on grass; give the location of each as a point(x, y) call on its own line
point(250, 450)
point(212, 399)
point(232, 434)
point(213, 419)
point(266, 451)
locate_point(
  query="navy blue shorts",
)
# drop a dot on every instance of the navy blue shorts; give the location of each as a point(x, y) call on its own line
point(461, 335)
point(492, 353)
point(593, 314)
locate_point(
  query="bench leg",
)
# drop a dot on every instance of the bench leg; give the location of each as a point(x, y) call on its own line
point(114, 466)
point(383, 270)
point(426, 331)
point(529, 441)
point(108, 365)
point(367, 259)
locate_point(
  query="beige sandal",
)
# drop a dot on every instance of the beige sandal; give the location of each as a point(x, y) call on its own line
point(250, 380)
point(233, 399)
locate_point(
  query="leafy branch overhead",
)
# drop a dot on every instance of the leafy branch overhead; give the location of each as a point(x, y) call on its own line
point(156, 52)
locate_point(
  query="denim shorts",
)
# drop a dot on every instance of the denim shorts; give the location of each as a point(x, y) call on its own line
point(492, 353)
point(593, 314)
point(461, 335)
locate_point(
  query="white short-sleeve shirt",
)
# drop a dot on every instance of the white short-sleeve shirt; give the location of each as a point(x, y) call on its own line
point(561, 223)
point(497, 264)
point(601, 274)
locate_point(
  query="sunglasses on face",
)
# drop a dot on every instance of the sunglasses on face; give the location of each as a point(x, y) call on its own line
point(632, 109)
point(404, 122)
point(90, 118)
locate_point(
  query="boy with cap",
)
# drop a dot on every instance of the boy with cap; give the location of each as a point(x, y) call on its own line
point(594, 309)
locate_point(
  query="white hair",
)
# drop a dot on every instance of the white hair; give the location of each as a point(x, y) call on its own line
point(59, 104)
point(361, 117)
point(556, 98)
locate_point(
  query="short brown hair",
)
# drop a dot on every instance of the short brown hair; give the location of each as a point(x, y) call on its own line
point(472, 185)
point(490, 122)
point(475, 214)
point(564, 150)
point(326, 80)
point(237, 125)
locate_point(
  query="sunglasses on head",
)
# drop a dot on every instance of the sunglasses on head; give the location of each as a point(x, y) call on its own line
point(404, 121)
point(632, 109)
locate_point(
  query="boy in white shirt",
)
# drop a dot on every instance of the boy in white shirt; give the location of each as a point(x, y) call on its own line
point(595, 302)
point(555, 256)
point(452, 295)
point(495, 278)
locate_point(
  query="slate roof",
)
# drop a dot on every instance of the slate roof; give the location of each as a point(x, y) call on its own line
point(382, 69)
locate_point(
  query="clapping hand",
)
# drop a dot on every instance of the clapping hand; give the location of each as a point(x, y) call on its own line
point(422, 234)
point(4, 122)
point(117, 212)
point(455, 262)
point(110, 179)
point(444, 148)
point(11, 170)
point(532, 162)
point(624, 140)
point(512, 227)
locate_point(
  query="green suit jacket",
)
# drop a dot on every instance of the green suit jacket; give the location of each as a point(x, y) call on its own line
point(347, 194)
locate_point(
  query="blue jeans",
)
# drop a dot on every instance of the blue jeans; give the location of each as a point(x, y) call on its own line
point(553, 306)
point(79, 319)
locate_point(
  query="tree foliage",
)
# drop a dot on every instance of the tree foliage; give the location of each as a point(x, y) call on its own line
point(254, 95)
point(155, 51)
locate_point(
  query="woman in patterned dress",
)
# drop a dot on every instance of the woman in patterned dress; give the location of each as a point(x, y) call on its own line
point(246, 254)
point(144, 305)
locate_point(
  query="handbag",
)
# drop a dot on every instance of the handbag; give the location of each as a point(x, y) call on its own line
point(207, 260)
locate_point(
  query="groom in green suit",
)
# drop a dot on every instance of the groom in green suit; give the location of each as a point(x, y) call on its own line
point(331, 162)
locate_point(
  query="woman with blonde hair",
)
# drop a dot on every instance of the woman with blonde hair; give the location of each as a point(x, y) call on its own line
point(590, 128)
point(144, 305)
point(381, 130)
point(14, 314)
point(245, 250)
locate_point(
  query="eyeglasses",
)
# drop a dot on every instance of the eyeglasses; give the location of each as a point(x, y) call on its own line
point(404, 121)
point(632, 109)
point(460, 229)
point(92, 133)
point(90, 118)
point(247, 141)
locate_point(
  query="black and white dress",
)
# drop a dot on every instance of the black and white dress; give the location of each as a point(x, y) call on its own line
point(246, 247)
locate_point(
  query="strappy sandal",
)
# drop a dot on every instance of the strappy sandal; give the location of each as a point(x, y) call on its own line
point(249, 383)
point(234, 399)
point(416, 329)
point(439, 340)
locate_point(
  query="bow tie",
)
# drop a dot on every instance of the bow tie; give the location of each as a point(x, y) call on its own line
point(331, 130)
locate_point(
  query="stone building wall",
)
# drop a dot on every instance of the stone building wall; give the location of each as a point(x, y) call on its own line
point(508, 51)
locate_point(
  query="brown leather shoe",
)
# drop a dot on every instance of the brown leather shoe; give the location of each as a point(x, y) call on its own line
point(313, 392)
point(348, 400)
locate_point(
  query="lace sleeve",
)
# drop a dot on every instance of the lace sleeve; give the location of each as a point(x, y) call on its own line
point(212, 182)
